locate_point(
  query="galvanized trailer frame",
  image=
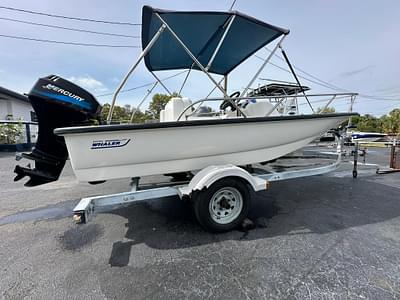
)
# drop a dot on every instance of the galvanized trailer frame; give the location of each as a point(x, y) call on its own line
point(258, 181)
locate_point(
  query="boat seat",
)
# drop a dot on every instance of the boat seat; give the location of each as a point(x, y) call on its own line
point(174, 108)
point(259, 108)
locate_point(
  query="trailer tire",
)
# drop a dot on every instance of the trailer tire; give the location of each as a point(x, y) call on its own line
point(222, 206)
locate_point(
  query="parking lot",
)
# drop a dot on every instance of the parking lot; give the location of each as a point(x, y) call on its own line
point(322, 237)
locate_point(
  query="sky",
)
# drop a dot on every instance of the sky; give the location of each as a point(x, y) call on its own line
point(351, 44)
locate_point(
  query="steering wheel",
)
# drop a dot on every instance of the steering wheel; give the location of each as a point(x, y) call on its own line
point(224, 105)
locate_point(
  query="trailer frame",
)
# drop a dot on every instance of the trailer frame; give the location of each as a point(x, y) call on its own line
point(256, 180)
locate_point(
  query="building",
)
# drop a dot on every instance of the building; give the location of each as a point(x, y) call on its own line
point(14, 106)
point(18, 127)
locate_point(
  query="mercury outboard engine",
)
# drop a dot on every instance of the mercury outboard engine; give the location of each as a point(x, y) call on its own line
point(57, 103)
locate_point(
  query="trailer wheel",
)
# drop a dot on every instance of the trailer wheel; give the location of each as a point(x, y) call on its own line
point(223, 206)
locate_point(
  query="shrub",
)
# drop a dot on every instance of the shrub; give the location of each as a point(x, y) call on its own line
point(10, 133)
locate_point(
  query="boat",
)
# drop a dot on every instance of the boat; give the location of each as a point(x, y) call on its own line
point(248, 127)
point(366, 137)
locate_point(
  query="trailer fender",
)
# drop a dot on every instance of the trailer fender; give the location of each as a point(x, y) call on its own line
point(207, 176)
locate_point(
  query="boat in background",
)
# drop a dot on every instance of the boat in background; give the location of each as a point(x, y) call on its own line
point(366, 137)
point(248, 127)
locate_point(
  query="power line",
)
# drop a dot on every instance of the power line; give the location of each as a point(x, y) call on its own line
point(387, 89)
point(68, 17)
point(287, 71)
point(144, 85)
point(365, 97)
point(69, 28)
point(391, 95)
point(127, 90)
point(326, 84)
point(335, 87)
point(66, 43)
point(377, 97)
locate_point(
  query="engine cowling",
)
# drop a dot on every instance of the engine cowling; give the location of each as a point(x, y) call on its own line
point(57, 103)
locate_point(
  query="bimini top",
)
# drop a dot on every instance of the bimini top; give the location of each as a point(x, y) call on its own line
point(201, 33)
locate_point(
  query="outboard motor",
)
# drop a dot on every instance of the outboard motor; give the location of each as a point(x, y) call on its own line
point(57, 103)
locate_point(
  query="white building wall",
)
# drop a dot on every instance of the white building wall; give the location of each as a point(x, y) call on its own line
point(18, 110)
point(4, 105)
point(21, 110)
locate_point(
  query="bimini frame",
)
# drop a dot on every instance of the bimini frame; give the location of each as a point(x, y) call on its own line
point(195, 61)
point(205, 69)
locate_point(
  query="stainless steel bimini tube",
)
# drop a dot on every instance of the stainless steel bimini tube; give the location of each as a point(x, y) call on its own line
point(141, 56)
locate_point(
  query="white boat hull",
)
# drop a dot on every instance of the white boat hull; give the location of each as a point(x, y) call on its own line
point(366, 137)
point(178, 149)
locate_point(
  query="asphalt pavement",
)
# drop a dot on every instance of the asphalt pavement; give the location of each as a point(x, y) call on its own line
point(321, 237)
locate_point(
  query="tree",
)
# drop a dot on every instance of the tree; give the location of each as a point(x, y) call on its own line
point(128, 107)
point(391, 123)
point(208, 108)
point(140, 117)
point(369, 123)
point(158, 103)
point(10, 133)
point(327, 110)
point(120, 114)
point(123, 113)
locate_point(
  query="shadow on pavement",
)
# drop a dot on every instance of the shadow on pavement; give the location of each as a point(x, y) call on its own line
point(7, 154)
point(302, 206)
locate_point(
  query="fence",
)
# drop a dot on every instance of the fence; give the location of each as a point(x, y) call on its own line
point(17, 135)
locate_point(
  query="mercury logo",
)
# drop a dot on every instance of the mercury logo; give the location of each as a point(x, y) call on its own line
point(52, 87)
point(103, 144)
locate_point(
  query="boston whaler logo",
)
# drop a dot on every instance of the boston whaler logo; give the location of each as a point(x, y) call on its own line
point(52, 87)
point(103, 144)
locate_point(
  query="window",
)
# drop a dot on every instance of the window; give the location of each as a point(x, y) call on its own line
point(33, 117)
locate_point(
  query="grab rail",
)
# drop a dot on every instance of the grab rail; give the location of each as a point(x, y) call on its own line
point(280, 97)
point(209, 99)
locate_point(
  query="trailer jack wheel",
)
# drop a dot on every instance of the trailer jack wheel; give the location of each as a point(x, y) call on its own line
point(223, 206)
point(79, 218)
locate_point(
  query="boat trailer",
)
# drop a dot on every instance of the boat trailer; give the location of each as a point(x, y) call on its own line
point(219, 194)
point(394, 158)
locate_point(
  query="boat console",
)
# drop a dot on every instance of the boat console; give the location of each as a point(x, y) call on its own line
point(57, 103)
point(174, 108)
